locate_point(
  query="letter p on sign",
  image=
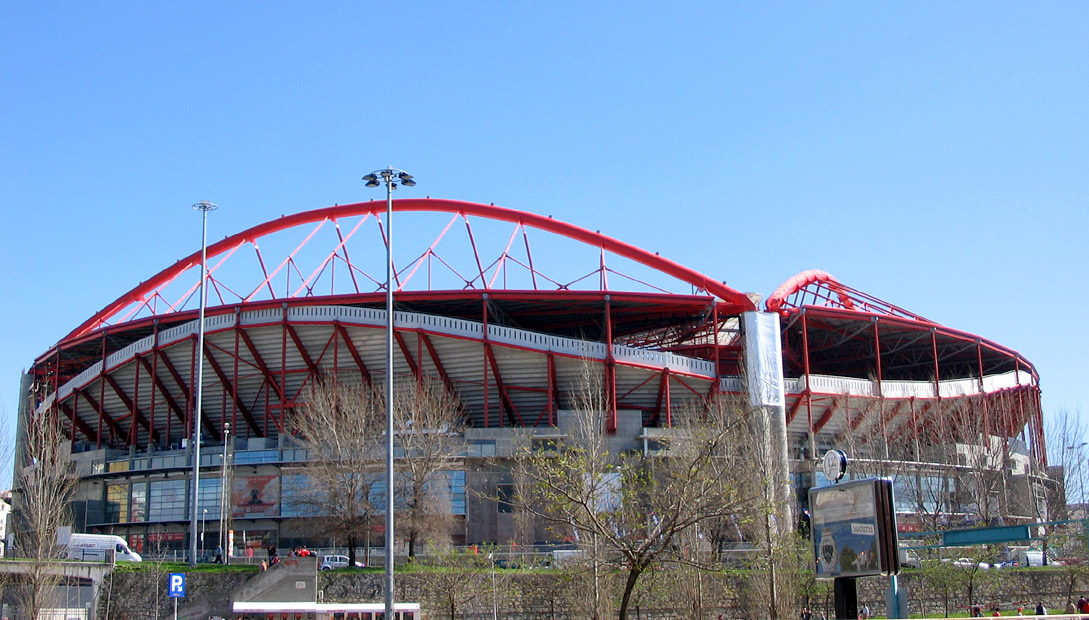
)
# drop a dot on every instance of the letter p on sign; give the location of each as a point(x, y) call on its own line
point(176, 585)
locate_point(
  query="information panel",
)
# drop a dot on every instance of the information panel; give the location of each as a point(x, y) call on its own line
point(854, 529)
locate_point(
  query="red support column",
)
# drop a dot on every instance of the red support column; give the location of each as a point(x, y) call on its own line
point(189, 411)
point(551, 392)
point(987, 427)
point(877, 356)
point(668, 399)
point(153, 371)
point(102, 391)
point(937, 382)
point(484, 356)
point(715, 385)
point(283, 371)
point(880, 392)
point(234, 375)
point(610, 368)
point(134, 411)
point(808, 379)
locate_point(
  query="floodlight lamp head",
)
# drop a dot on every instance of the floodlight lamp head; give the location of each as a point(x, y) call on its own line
point(204, 205)
point(371, 179)
point(407, 181)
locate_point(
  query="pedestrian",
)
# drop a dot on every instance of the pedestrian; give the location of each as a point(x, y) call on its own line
point(1040, 609)
point(264, 566)
point(806, 614)
point(219, 554)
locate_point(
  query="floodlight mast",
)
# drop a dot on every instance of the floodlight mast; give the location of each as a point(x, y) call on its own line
point(391, 177)
point(204, 207)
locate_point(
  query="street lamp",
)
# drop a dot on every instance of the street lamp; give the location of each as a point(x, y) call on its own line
point(224, 497)
point(203, 523)
point(495, 601)
point(392, 178)
point(204, 207)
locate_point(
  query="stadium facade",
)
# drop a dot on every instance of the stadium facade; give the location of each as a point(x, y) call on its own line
point(505, 308)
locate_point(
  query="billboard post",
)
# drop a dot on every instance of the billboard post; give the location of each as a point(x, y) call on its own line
point(854, 534)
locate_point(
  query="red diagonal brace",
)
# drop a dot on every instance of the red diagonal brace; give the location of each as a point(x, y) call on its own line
point(407, 353)
point(105, 417)
point(435, 360)
point(78, 421)
point(508, 404)
point(263, 367)
point(353, 352)
point(826, 416)
point(228, 387)
point(165, 393)
point(137, 415)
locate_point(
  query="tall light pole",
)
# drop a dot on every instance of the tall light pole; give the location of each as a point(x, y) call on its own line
point(204, 207)
point(392, 178)
point(224, 497)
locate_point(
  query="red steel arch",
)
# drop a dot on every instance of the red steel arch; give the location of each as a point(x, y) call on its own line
point(735, 301)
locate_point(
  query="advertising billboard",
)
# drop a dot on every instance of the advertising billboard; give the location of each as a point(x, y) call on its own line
point(255, 497)
point(854, 529)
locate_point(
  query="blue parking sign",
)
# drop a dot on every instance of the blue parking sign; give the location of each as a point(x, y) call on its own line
point(176, 585)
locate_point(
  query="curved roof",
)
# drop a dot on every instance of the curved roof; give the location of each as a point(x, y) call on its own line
point(147, 298)
point(847, 327)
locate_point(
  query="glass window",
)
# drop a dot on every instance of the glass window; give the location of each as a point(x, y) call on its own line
point(166, 500)
point(292, 504)
point(211, 493)
point(117, 503)
point(139, 501)
point(457, 491)
point(483, 448)
point(256, 456)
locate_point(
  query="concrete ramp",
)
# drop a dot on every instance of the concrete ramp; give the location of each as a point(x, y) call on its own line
point(293, 580)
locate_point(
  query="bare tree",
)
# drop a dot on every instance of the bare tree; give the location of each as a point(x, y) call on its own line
point(631, 509)
point(428, 422)
point(339, 427)
point(1067, 447)
point(459, 580)
point(44, 484)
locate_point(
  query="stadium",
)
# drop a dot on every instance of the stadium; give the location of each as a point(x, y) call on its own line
point(505, 308)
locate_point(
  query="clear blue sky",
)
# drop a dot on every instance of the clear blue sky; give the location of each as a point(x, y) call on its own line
point(932, 154)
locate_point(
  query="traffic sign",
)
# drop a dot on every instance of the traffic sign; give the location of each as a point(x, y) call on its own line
point(176, 585)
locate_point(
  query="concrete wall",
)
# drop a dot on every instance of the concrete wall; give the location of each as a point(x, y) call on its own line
point(555, 595)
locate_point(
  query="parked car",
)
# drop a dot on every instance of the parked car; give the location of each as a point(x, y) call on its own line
point(970, 563)
point(330, 562)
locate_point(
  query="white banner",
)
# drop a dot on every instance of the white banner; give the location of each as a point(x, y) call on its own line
point(763, 359)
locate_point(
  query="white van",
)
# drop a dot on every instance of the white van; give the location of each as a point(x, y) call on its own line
point(97, 548)
point(1030, 557)
point(908, 558)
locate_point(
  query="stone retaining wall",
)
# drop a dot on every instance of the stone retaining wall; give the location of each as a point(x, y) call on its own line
point(548, 595)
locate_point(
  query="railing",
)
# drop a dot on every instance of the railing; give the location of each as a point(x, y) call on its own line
point(824, 384)
point(405, 320)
